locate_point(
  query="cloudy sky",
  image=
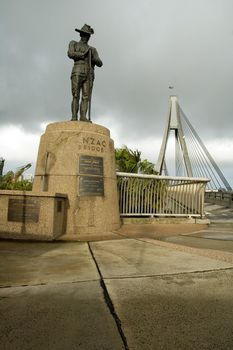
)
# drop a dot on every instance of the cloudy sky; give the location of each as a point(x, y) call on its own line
point(145, 47)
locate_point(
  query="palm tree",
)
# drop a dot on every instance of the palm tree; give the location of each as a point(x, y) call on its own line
point(147, 167)
point(127, 160)
point(1, 165)
point(13, 181)
point(130, 161)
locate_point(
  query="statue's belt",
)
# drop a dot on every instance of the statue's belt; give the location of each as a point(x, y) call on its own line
point(81, 62)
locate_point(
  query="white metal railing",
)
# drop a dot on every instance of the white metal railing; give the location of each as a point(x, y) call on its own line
point(153, 195)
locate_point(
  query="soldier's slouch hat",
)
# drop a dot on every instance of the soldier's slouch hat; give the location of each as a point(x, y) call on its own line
point(85, 29)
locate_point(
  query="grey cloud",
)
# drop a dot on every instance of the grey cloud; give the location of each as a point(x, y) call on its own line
point(145, 47)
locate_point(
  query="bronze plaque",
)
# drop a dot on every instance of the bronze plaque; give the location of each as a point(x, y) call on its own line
point(23, 210)
point(91, 186)
point(89, 165)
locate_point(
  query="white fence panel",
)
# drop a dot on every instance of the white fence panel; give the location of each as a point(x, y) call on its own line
point(152, 195)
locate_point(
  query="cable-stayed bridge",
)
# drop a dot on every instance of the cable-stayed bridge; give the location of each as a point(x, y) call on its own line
point(192, 158)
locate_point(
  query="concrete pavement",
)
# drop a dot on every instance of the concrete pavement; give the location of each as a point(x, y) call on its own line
point(30, 263)
point(217, 236)
point(60, 316)
point(135, 292)
point(184, 311)
point(135, 258)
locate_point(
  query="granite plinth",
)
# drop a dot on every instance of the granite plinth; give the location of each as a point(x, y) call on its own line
point(78, 159)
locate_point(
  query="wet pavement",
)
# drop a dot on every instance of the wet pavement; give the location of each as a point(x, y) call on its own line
point(150, 289)
point(218, 235)
point(218, 214)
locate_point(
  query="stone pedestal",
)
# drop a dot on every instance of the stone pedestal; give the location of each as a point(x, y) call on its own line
point(27, 215)
point(77, 159)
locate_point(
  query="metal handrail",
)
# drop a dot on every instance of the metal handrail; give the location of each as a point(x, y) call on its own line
point(154, 195)
point(163, 177)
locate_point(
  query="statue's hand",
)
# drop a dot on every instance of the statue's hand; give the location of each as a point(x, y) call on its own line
point(86, 52)
point(79, 55)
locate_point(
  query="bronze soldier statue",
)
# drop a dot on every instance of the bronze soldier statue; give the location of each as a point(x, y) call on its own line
point(82, 77)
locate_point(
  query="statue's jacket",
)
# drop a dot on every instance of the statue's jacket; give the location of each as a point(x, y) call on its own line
point(79, 52)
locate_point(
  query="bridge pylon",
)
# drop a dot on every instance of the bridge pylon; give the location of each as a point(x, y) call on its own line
point(191, 156)
point(174, 123)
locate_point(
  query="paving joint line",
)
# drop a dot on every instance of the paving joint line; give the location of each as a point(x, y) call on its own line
point(46, 284)
point(109, 302)
point(168, 274)
point(117, 278)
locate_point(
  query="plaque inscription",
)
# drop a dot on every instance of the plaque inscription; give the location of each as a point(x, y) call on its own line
point(91, 186)
point(23, 210)
point(91, 180)
point(89, 165)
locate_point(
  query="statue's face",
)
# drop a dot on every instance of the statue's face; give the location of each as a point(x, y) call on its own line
point(85, 37)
